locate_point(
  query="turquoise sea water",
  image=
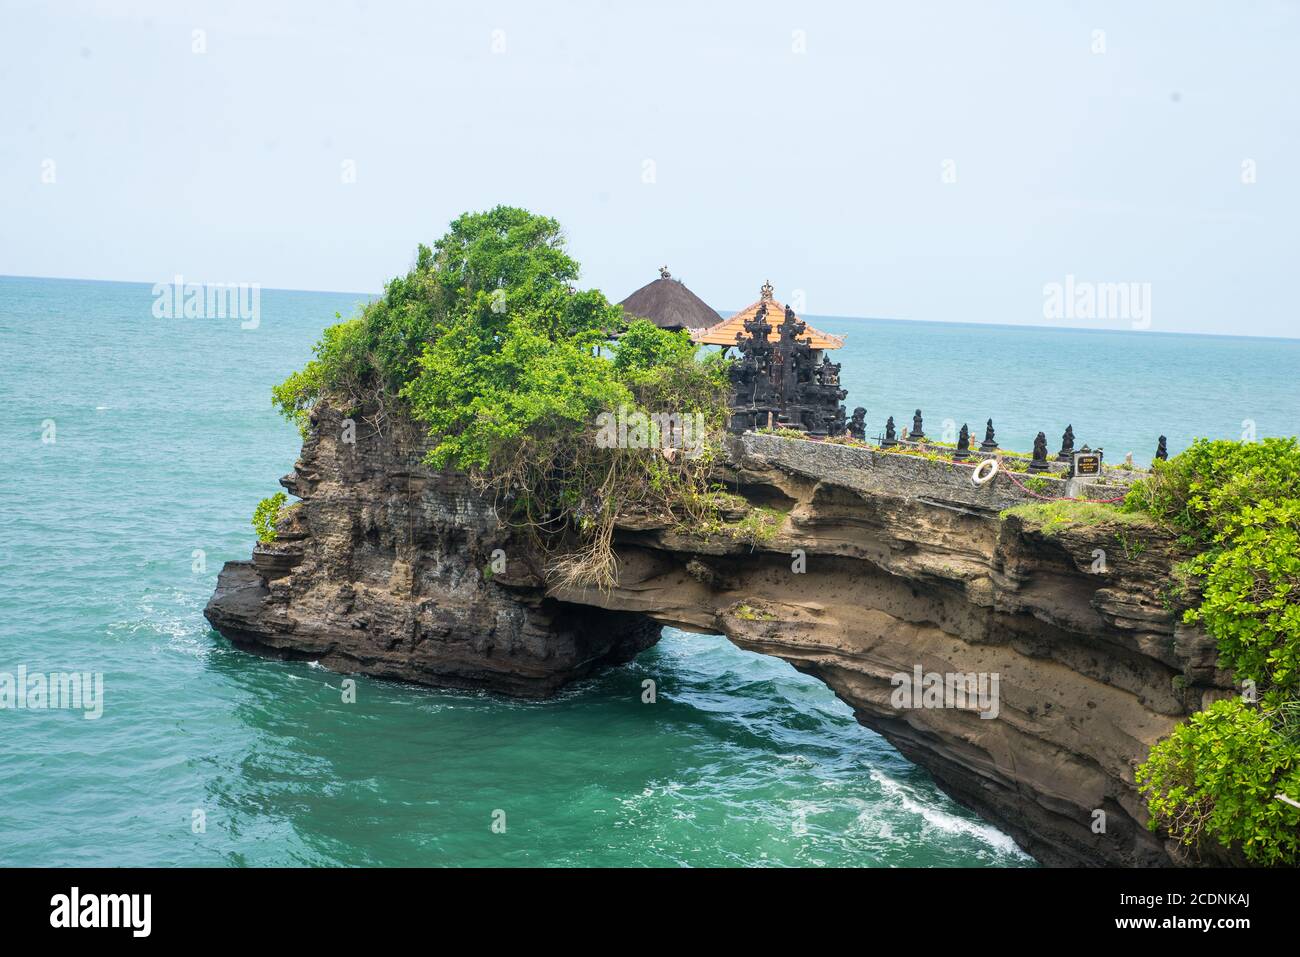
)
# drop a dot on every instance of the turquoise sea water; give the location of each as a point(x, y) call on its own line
point(1120, 390)
point(164, 440)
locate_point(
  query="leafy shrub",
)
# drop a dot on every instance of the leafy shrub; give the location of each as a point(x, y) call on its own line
point(663, 370)
point(1240, 502)
point(1220, 772)
point(1203, 490)
point(1251, 588)
point(643, 348)
point(1218, 775)
point(266, 515)
point(342, 367)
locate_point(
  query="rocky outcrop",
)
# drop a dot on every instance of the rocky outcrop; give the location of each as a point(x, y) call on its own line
point(882, 564)
point(385, 569)
point(909, 565)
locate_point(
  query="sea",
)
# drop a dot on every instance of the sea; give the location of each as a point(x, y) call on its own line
point(135, 447)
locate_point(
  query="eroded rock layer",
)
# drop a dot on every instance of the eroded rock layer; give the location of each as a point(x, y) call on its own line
point(386, 569)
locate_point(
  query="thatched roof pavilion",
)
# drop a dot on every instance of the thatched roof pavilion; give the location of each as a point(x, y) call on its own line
point(724, 333)
point(670, 305)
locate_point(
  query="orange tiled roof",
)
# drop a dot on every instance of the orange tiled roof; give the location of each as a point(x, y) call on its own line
point(724, 332)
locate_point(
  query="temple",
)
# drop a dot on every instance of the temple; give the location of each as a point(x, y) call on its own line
point(782, 382)
point(782, 378)
point(724, 333)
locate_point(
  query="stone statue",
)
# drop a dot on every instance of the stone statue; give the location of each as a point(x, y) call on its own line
point(753, 401)
point(1067, 445)
point(1162, 450)
point(858, 424)
point(1039, 464)
point(963, 443)
point(918, 433)
point(989, 444)
point(890, 437)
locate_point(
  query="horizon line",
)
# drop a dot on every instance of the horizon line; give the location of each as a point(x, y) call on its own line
point(831, 316)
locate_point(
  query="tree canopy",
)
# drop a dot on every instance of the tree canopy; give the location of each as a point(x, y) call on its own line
point(489, 344)
point(1220, 773)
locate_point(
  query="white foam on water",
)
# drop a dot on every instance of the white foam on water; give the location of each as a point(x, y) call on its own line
point(796, 760)
point(943, 821)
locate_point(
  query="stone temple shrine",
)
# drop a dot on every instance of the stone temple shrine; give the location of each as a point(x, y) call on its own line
point(782, 377)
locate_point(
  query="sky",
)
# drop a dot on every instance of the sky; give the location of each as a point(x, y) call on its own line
point(910, 160)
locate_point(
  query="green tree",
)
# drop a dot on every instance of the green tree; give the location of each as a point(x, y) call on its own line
point(489, 345)
point(1219, 774)
point(487, 268)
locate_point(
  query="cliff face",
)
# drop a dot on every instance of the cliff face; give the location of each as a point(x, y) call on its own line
point(383, 570)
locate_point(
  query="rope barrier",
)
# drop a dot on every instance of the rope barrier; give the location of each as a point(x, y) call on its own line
point(1046, 498)
point(1011, 475)
point(1063, 498)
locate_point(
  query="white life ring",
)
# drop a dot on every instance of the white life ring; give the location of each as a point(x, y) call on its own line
point(984, 472)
